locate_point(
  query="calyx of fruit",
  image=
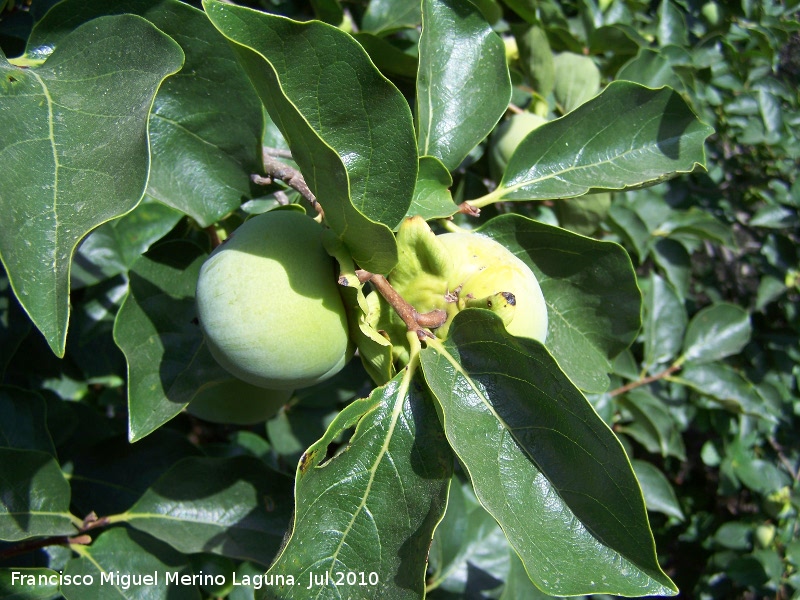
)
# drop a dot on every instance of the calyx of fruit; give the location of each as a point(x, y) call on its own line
point(269, 304)
point(456, 271)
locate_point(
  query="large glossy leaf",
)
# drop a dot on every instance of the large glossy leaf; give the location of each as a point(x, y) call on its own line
point(628, 136)
point(664, 324)
point(35, 496)
point(372, 507)
point(206, 121)
point(715, 332)
point(349, 129)
point(74, 153)
point(593, 301)
point(118, 561)
point(658, 492)
point(542, 462)
point(724, 385)
point(463, 85)
point(236, 507)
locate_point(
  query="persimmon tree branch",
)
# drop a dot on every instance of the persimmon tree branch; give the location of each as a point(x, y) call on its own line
point(645, 380)
point(275, 169)
point(415, 321)
point(90, 522)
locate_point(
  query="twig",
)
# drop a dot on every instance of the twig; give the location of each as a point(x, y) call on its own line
point(784, 460)
point(276, 169)
point(467, 209)
point(416, 322)
point(276, 152)
point(90, 522)
point(646, 380)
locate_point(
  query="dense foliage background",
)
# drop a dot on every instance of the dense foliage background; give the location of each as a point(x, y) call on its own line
point(714, 444)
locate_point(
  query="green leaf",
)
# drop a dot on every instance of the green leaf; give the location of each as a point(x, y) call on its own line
point(120, 553)
point(35, 499)
point(593, 301)
point(14, 323)
point(542, 462)
point(664, 323)
point(671, 25)
point(329, 11)
point(387, 16)
point(674, 259)
point(626, 137)
point(167, 358)
point(372, 507)
point(650, 68)
point(206, 121)
point(467, 541)
point(23, 421)
point(110, 475)
point(349, 129)
point(658, 492)
point(463, 85)
point(16, 583)
point(113, 247)
point(388, 57)
point(584, 215)
point(236, 507)
point(723, 384)
point(715, 332)
point(432, 197)
point(695, 223)
point(577, 80)
point(75, 153)
point(536, 58)
point(653, 426)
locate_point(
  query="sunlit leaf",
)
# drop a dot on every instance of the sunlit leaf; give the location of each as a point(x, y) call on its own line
point(59, 178)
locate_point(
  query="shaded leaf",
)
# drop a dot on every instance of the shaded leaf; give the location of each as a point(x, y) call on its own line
point(387, 57)
point(536, 58)
point(715, 332)
point(206, 121)
point(155, 329)
point(113, 247)
point(577, 79)
point(664, 323)
point(593, 301)
point(60, 180)
point(35, 496)
point(542, 462)
point(349, 129)
point(374, 505)
point(653, 426)
point(386, 16)
point(725, 385)
point(432, 197)
point(626, 137)
point(236, 507)
point(120, 552)
point(658, 492)
point(463, 85)
point(14, 323)
point(23, 421)
point(16, 583)
point(470, 552)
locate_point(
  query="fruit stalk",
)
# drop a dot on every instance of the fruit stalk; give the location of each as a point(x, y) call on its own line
point(416, 322)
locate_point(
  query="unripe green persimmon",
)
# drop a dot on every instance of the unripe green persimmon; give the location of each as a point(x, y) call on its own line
point(483, 267)
point(237, 403)
point(269, 305)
